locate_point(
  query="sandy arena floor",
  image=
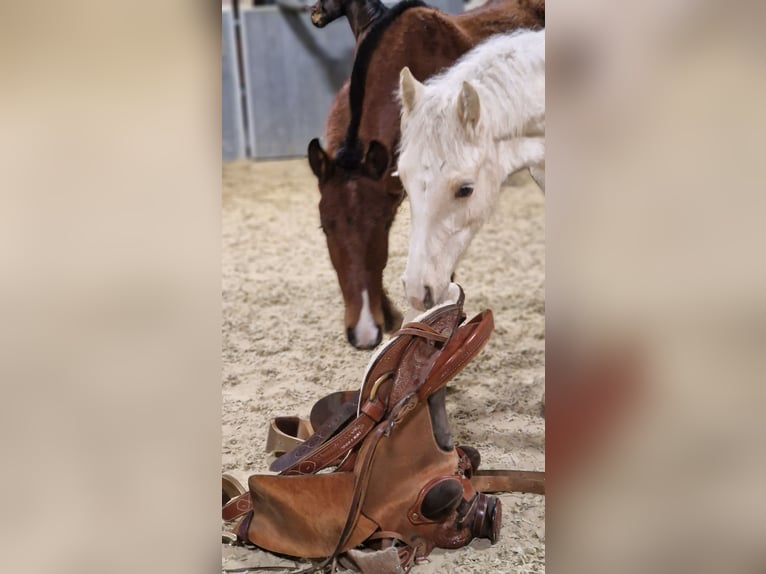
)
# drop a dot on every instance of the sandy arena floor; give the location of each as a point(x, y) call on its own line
point(284, 345)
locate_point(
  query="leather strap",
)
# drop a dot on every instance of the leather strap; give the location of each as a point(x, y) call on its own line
point(291, 460)
point(423, 330)
point(362, 474)
point(236, 507)
point(330, 451)
point(509, 481)
point(466, 342)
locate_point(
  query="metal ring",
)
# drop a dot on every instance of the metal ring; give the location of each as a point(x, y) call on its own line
point(377, 383)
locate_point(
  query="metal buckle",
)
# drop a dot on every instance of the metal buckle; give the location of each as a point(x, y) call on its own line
point(377, 383)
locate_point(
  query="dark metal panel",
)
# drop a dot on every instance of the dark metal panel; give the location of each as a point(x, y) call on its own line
point(292, 72)
point(451, 6)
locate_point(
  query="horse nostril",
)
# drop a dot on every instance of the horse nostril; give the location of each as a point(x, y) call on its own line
point(428, 300)
point(351, 336)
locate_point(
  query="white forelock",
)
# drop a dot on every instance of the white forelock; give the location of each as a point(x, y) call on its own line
point(508, 73)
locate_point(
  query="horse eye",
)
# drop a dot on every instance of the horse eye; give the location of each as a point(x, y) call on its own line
point(464, 191)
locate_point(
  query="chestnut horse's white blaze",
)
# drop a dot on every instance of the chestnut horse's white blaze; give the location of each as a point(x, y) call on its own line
point(366, 332)
point(463, 133)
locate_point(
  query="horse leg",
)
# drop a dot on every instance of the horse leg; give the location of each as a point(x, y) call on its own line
point(392, 317)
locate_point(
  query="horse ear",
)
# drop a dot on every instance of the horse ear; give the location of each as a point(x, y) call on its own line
point(320, 163)
point(409, 89)
point(375, 162)
point(468, 106)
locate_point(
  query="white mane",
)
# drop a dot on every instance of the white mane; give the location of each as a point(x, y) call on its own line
point(513, 106)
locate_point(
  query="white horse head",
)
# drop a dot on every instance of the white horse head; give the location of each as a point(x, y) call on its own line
point(463, 133)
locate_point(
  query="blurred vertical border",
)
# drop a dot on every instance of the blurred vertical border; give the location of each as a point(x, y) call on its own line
point(656, 287)
point(110, 141)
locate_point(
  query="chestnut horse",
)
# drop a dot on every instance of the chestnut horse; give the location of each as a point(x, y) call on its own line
point(359, 194)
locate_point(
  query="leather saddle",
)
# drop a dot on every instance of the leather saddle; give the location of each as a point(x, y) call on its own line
point(380, 470)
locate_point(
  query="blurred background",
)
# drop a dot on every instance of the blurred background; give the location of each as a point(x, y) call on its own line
point(655, 287)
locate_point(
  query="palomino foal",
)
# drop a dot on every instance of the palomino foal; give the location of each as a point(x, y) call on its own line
point(463, 133)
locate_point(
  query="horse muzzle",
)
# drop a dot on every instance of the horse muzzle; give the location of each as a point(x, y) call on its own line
point(317, 16)
point(422, 300)
point(427, 297)
point(365, 339)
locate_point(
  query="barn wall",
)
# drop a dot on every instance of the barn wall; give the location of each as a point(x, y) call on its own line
point(292, 71)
